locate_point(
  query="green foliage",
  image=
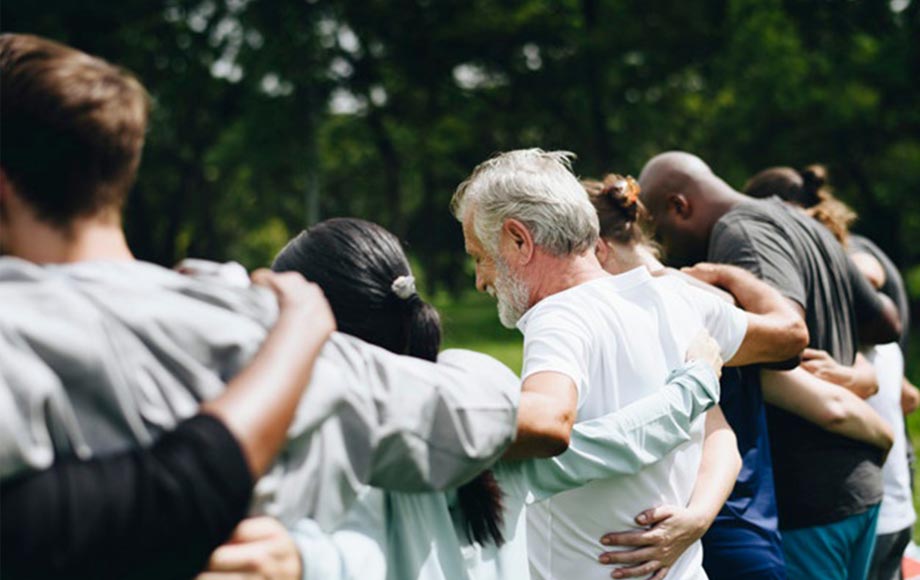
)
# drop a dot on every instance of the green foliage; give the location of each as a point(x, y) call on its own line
point(271, 115)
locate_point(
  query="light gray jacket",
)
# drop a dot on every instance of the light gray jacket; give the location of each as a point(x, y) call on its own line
point(96, 357)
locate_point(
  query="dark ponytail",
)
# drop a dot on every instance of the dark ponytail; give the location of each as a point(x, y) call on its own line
point(365, 275)
point(423, 330)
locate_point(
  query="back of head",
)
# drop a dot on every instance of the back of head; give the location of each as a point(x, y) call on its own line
point(673, 172)
point(538, 189)
point(73, 128)
point(365, 275)
point(806, 188)
point(621, 214)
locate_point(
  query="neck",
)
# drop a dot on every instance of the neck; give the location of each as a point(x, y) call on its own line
point(86, 239)
point(625, 257)
point(561, 273)
point(721, 200)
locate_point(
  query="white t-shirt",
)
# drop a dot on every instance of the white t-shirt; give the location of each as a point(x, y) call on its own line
point(897, 510)
point(617, 337)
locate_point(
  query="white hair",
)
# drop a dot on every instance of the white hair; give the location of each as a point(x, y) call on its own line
point(538, 189)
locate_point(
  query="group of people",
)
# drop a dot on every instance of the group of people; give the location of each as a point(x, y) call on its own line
point(159, 423)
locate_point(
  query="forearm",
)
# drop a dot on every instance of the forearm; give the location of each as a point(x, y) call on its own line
point(148, 513)
point(829, 406)
point(776, 328)
point(629, 439)
point(718, 471)
point(260, 402)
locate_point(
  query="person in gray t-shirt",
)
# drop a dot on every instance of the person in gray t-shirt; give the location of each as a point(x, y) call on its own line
point(821, 478)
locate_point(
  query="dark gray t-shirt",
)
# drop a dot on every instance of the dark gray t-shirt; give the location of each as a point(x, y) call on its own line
point(820, 477)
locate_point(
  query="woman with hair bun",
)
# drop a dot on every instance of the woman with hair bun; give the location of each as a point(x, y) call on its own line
point(742, 540)
point(893, 395)
point(806, 188)
point(477, 530)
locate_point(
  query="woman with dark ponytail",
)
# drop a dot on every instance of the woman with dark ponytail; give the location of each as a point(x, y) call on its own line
point(365, 275)
point(477, 531)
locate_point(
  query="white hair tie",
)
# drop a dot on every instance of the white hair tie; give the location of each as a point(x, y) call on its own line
point(403, 287)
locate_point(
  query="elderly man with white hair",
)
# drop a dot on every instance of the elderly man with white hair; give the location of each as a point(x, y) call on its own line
point(593, 343)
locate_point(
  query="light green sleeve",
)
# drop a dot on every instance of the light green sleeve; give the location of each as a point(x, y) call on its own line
point(355, 550)
point(622, 442)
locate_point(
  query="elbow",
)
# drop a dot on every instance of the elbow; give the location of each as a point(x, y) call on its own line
point(555, 441)
point(797, 337)
point(550, 439)
point(833, 415)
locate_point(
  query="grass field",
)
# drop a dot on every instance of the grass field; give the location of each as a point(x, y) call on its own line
point(472, 322)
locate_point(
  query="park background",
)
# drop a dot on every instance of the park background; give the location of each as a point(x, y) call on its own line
point(269, 115)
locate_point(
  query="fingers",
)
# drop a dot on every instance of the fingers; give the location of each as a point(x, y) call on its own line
point(257, 528)
point(654, 515)
point(814, 353)
point(638, 538)
point(238, 558)
point(227, 576)
point(633, 557)
point(643, 569)
point(660, 574)
point(704, 272)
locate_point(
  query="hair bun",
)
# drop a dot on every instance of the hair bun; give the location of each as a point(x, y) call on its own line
point(814, 178)
point(623, 192)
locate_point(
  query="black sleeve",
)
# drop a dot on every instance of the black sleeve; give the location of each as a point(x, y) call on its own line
point(151, 513)
point(866, 300)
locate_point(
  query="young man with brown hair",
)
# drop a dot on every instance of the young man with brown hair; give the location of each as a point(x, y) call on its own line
point(105, 353)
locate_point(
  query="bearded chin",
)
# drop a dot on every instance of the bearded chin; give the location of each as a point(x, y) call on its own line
point(513, 296)
point(508, 314)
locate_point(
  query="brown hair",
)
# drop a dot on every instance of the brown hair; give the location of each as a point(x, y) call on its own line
point(73, 128)
point(806, 188)
point(621, 214)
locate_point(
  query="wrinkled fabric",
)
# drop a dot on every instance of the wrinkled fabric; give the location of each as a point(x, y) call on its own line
point(96, 357)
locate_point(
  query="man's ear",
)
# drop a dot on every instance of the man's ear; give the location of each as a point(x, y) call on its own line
point(517, 241)
point(679, 203)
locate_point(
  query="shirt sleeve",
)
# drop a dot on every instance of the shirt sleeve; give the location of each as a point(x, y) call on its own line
point(866, 301)
point(726, 323)
point(355, 550)
point(151, 513)
point(370, 417)
point(762, 250)
point(556, 341)
point(625, 441)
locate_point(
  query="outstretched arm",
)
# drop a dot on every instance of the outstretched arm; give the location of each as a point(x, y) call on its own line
point(158, 512)
point(776, 328)
point(634, 437)
point(860, 378)
point(829, 406)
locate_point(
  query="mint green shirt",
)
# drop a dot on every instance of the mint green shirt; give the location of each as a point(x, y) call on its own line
point(405, 536)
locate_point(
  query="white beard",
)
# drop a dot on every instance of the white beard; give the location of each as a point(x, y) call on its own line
point(512, 294)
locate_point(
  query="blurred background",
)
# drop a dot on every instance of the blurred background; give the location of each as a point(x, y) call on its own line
point(271, 115)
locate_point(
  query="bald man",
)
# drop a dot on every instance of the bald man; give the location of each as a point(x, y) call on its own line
point(827, 487)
